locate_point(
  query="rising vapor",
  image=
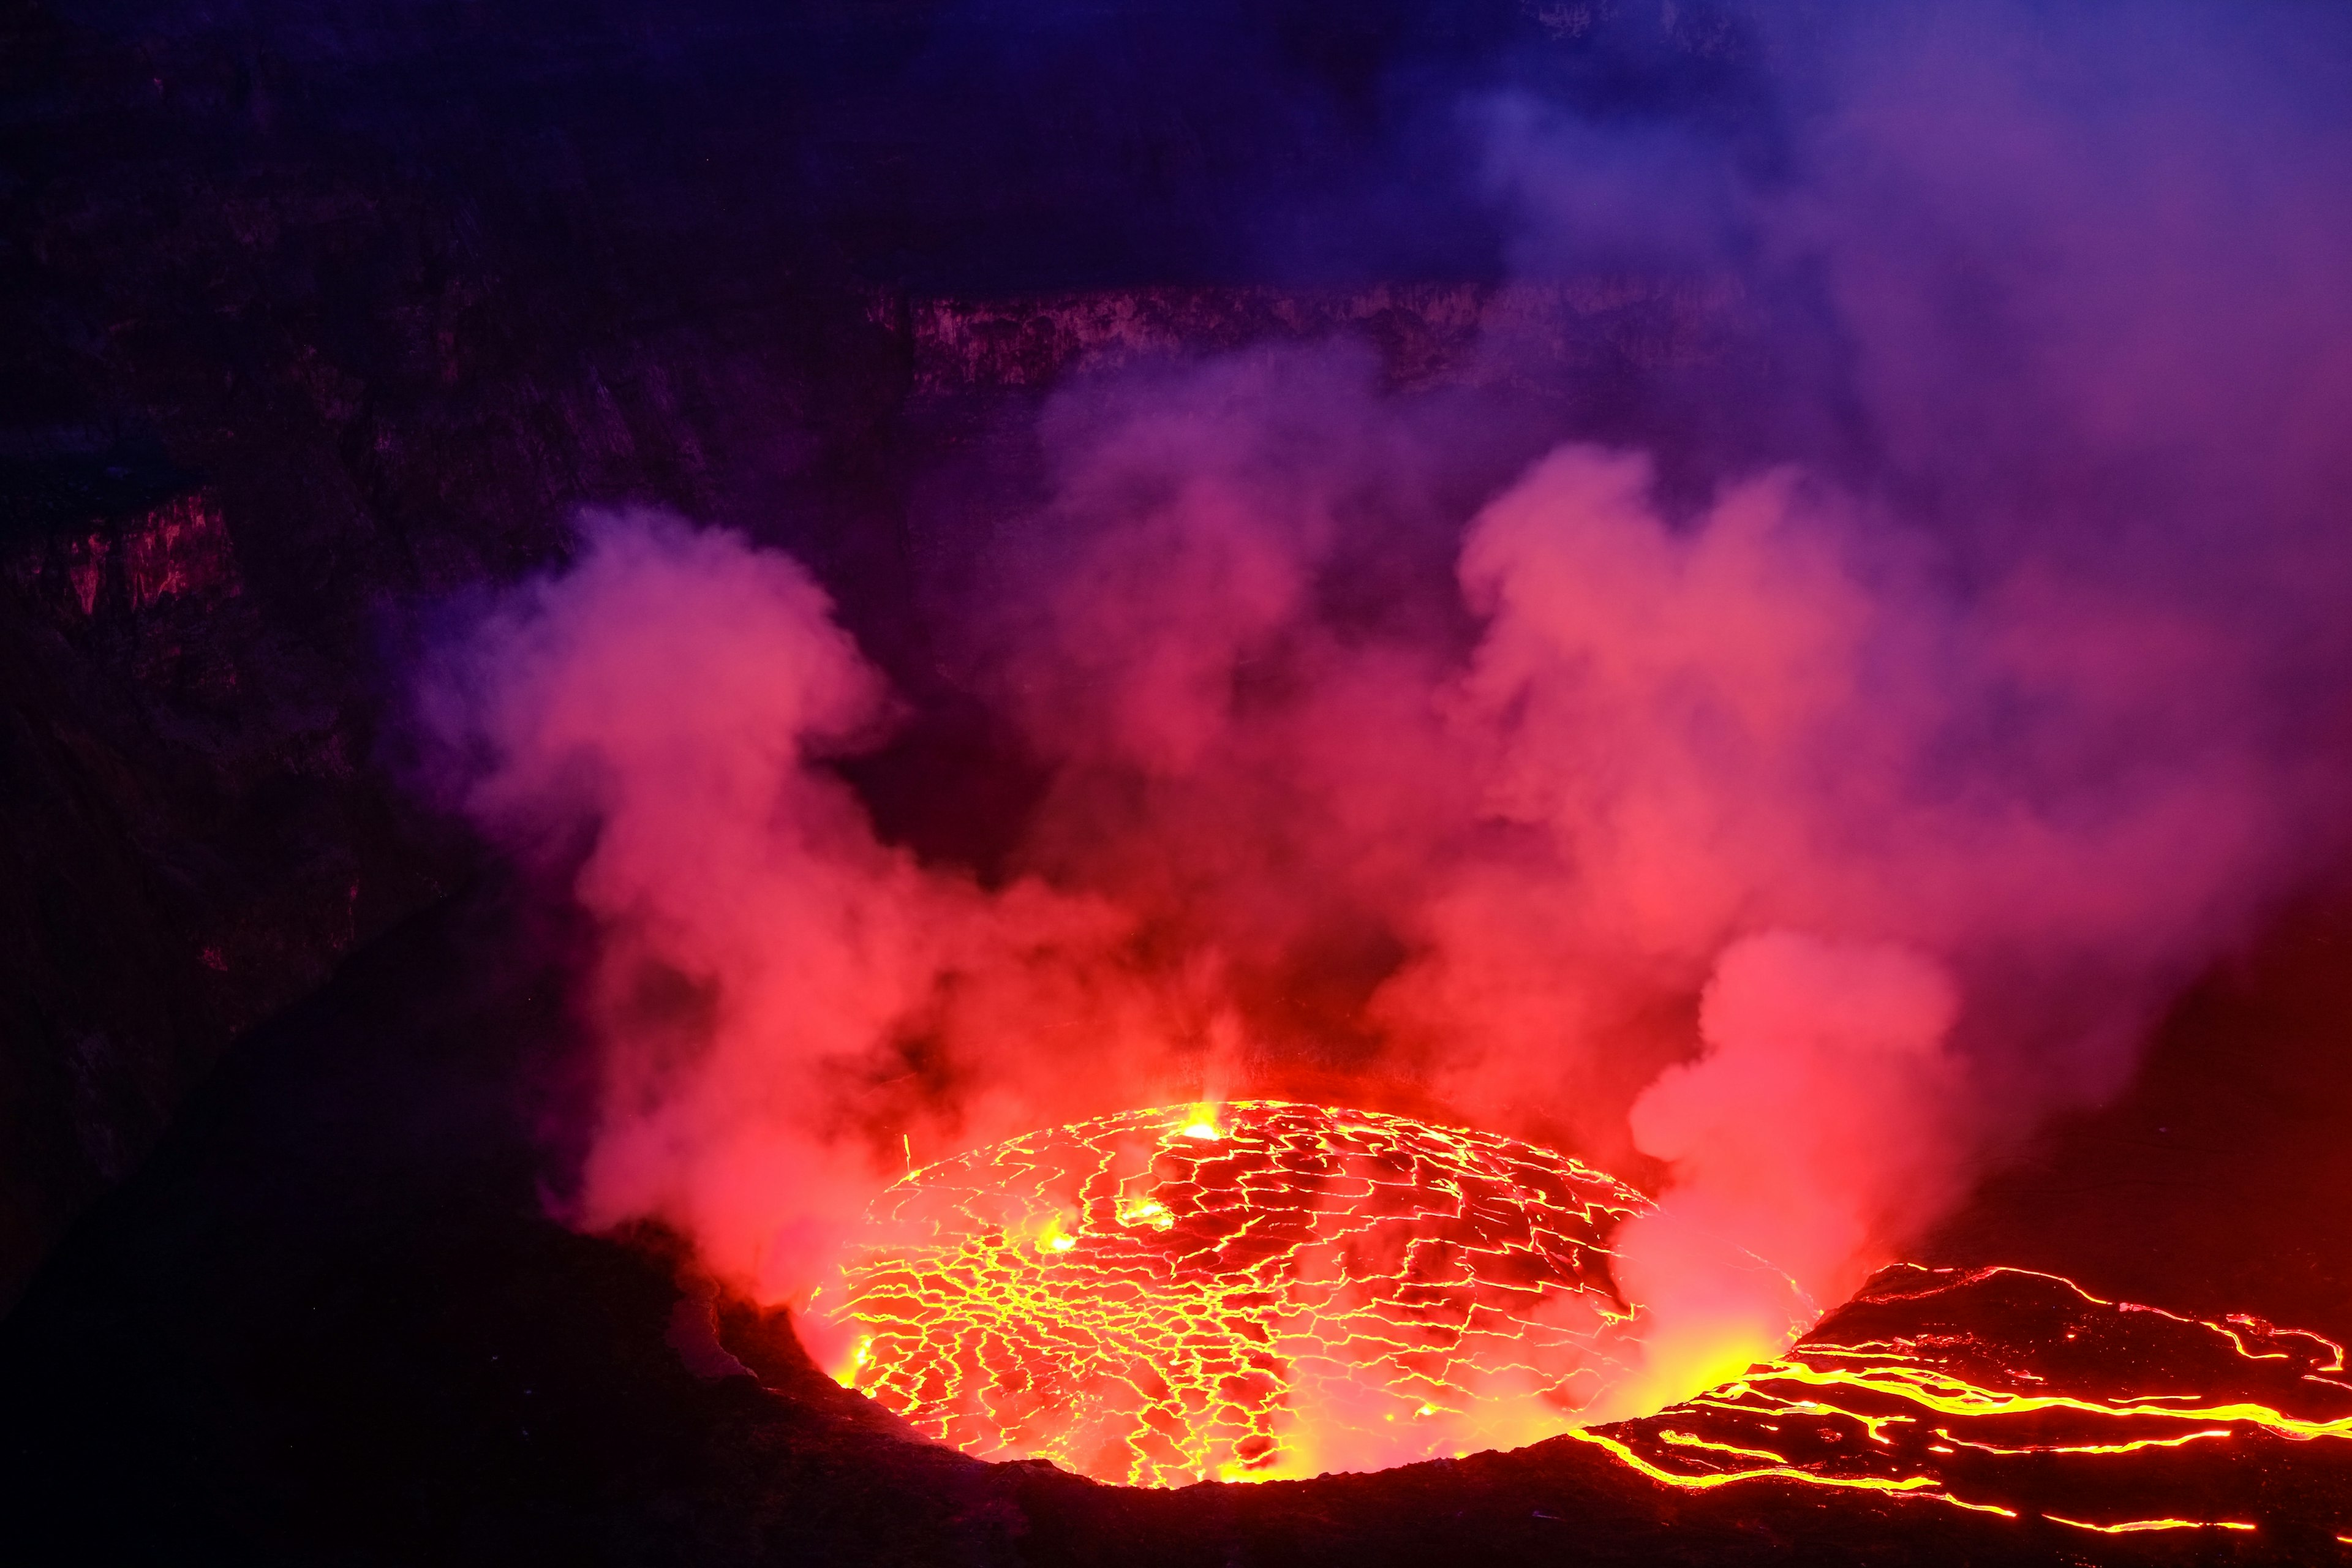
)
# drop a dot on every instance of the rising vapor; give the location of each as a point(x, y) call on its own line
point(1790, 800)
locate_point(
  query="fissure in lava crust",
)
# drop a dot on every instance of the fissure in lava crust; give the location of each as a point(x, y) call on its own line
point(1246, 1290)
point(1263, 1288)
point(2018, 1392)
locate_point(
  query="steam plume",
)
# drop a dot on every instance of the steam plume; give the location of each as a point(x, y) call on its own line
point(1801, 799)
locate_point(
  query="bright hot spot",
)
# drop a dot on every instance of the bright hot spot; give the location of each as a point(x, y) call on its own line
point(1255, 1290)
point(1246, 1290)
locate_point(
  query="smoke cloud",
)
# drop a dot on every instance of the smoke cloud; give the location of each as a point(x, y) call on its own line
point(783, 1003)
point(1794, 795)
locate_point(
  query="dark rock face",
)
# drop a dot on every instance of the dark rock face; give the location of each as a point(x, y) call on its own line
point(310, 321)
point(307, 323)
point(329, 1322)
point(190, 837)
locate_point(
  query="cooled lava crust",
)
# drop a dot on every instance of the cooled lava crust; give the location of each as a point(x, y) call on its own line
point(1239, 1290)
point(2018, 1395)
point(330, 1323)
point(1247, 1290)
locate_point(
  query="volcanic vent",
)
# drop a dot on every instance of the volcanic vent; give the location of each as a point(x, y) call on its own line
point(1246, 1290)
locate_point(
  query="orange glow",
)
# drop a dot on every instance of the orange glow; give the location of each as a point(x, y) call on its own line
point(1241, 1291)
point(2134, 1526)
point(1940, 1411)
point(1260, 1289)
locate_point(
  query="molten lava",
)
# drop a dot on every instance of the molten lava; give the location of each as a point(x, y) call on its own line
point(1247, 1290)
point(2012, 1393)
point(1263, 1288)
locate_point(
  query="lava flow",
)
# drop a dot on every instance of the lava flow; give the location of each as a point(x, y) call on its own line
point(1247, 1290)
point(1261, 1289)
point(2018, 1392)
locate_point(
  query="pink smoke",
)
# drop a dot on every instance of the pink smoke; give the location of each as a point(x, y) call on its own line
point(1789, 845)
point(1922, 862)
point(784, 1004)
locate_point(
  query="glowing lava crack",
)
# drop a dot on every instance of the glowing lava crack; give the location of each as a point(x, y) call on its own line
point(1263, 1288)
point(1247, 1290)
point(2013, 1392)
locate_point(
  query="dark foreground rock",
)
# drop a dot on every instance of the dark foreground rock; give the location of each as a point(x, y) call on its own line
point(330, 1323)
point(307, 324)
